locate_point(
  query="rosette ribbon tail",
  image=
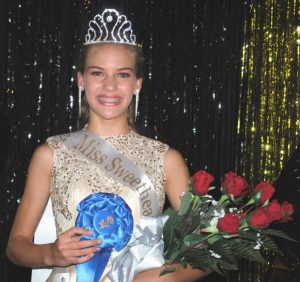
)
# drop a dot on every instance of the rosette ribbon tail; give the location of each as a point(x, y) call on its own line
point(110, 219)
point(144, 250)
point(91, 271)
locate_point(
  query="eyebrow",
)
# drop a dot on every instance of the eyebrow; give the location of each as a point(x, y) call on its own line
point(121, 69)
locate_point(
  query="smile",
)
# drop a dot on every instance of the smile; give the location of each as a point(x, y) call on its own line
point(108, 101)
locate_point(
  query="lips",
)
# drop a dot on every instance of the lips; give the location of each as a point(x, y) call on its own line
point(108, 100)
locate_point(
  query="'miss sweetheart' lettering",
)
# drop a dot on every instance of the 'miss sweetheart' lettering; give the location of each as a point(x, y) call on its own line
point(88, 149)
point(115, 167)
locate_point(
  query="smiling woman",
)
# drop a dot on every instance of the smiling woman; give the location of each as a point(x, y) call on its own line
point(132, 71)
point(106, 157)
point(109, 79)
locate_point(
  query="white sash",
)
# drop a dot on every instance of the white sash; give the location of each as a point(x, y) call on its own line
point(116, 165)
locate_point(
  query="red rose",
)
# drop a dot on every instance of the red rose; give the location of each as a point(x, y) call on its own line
point(275, 210)
point(267, 191)
point(234, 184)
point(230, 223)
point(201, 181)
point(287, 210)
point(259, 218)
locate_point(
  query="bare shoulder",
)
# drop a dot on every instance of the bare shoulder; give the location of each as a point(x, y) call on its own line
point(177, 176)
point(42, 158)
point(172, 153)
point(43, 152)
point(173, 160)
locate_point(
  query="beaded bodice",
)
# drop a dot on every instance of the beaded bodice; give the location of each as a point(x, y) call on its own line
point(74, 178)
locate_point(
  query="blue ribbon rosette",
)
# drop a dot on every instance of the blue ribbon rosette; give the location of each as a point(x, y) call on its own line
point(110, 219)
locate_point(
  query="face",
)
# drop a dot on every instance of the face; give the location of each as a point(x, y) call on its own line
point(109, 81)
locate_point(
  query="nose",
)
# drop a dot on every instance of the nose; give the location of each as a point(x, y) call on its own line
point(110, 83)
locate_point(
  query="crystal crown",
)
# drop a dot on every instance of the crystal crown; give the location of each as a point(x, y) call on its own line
point(110, 27)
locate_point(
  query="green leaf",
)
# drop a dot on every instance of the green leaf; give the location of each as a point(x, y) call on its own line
point(214, 238)
point(196, 253)
point(225, 249)
point(268, 243)
point(194, 223)
point(277, 233)
point(246, 251)
point(215, 264)
point(202, 258)
point(185, 203)
point(216, 268)
point(251, 235)
point(166, 270)
point(192, 239)
point(172, 255)
point(172, 227)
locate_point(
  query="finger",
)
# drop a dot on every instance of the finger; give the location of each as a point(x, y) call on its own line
point(88, 243)
point(83, 259)
point(77, 231)
point(75, 245)
point(77, 260)
point(77, 238)
point(81, 252)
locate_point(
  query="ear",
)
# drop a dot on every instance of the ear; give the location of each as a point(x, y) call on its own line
point(80, 83)
point(138, 86)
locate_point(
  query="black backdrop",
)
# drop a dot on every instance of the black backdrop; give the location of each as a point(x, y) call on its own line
point(189, 98)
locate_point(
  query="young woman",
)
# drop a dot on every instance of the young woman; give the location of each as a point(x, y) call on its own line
point(109, 75)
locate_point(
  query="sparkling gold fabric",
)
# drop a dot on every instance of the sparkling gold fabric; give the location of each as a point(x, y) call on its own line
point(269, 110)
point(74, 178)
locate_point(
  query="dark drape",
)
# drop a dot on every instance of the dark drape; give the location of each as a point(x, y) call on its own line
point(190, 98)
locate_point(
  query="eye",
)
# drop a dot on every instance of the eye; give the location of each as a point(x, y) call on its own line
point(123, 75)
point(96, 73)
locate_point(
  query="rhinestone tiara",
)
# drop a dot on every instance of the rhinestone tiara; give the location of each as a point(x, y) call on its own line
point(110, 27)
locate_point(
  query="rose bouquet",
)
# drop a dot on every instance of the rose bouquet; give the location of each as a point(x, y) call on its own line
point(207, 233)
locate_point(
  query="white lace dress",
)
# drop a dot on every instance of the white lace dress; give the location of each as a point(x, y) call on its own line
point(74, 178)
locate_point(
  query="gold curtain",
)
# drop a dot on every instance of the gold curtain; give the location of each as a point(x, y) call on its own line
point(269, 109)
point(269, 106)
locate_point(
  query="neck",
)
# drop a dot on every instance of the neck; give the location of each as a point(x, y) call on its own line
point(109, 128)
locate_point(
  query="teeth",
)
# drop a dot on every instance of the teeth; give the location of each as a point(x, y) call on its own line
point(108, 99)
